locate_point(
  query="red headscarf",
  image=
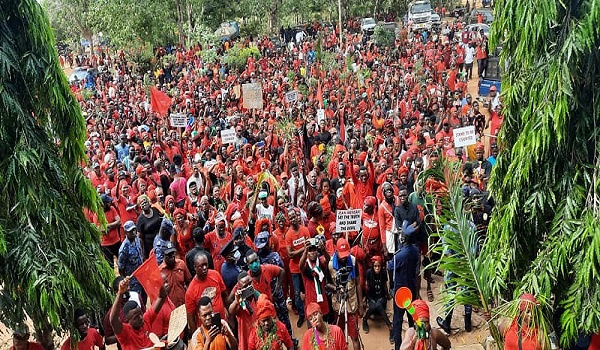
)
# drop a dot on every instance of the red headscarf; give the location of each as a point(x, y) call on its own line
point(527, 299)
point(265, 308)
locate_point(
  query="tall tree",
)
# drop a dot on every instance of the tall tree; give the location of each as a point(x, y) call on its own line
point(71, 18)
point(544, 237)
point(50, 258)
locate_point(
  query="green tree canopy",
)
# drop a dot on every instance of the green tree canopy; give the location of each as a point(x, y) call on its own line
point(50, 258)
point(544, 237)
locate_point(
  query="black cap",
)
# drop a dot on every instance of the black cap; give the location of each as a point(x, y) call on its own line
point(228, 248)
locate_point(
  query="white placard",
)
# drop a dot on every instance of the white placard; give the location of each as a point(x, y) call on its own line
point(228, 136)
point(178, 120)
point(320, 115)
point(464, 136)
point(348, 220)
point(291, 96)
point(252, 94)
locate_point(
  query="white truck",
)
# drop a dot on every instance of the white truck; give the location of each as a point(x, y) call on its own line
point(419, 14)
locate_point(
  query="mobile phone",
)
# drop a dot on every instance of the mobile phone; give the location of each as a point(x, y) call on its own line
point(215, 320)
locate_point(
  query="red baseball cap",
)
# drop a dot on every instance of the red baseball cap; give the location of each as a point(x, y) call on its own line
point(343, 248)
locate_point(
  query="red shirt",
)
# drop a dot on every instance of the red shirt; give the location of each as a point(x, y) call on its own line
point(263, 284)
point(245, 322)
point(255, 343)
point(211, 287)
point(160, 326)
point(310, 286)
point(92, 338)
point(126, 215)
point(131, 339)
point(178, 277)
point(213, 243)
point(113, 234)
point(337, 341)
point(295, 240)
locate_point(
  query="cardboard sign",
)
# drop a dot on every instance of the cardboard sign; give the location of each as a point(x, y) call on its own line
point(228, 136)
point(178, 120)
point(252, 94)
point(464, 136)
point(291, 96)
point(237, 92)
point(149, 277)
point(320, 114)
point(177, 323)
point(348, 220)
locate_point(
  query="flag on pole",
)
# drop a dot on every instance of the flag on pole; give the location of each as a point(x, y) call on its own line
point(149, 277)
point(159, 101)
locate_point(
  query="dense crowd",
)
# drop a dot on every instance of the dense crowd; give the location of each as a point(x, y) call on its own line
point(244, 232)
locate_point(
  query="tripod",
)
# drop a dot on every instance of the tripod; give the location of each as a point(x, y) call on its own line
point(343, 296)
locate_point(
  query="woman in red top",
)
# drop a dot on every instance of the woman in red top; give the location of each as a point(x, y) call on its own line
point(183, 233)
point(322, 335)
point(268, 333)
point(522, 327)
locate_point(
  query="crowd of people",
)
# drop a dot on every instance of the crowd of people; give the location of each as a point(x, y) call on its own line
point(244, 233)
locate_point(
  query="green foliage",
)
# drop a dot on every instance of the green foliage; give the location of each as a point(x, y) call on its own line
point(384, 37)
point(543, 237)
point(200, 33)
point(50, 258)
point(237, 56)
point(208, 56)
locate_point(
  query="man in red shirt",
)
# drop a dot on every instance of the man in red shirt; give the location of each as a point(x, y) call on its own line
point(262, 275)
point(111, 239)
point(206, 283)
point(244, 307)
point(313, 265)
point(295, 238)
point(89, 337)
point(21, 340)
point(176, 273)
point(133, 334)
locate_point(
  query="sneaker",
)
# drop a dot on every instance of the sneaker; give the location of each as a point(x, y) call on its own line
point(365, 326)
point(300, 321)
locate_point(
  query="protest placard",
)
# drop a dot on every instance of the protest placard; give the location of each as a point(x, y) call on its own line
point(291, 96)
point(178, 120)
point(228, 136)
point(320, 114)
point(252, 94)
point(464, 136)
point(348, 220)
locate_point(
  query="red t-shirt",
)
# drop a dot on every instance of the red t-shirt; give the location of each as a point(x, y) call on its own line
point(113, 234)
point(245, 322)
point(255, 343)
point(295, 240)
point(160, 326)
point(310, 287)
point(338, 341)
point(93, 338)
point(263, 284)
point(131, 339)
point(211, 287)
point(214, 244)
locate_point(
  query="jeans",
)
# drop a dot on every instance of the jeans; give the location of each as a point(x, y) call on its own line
point(377, 307)
point(298, 287)
point(469, 70)
point(397, 324)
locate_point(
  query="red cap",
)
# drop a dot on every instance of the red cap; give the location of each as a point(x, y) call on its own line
point(343, 248)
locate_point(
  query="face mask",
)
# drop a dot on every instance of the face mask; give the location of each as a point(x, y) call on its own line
point(237, 255)
point(254, 266)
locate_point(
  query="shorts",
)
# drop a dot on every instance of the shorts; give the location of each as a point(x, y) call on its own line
point(352, 323)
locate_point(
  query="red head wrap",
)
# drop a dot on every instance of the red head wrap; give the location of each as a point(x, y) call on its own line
point(265, 308)
point(421, 309)
point(312, 308)
point(527, 299)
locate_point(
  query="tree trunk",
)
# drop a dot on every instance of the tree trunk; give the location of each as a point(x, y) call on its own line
point(180, 22)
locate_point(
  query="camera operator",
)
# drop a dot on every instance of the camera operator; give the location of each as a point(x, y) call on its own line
point(347, 298)
point(314, 273)
point(244, 307)
point(210, 335)
point(403, 266)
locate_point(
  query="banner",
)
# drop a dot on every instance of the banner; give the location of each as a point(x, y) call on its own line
point(464, 136)
point(178, 120)
point(149, 277)
point(252, 94)
point(291, 96)
point(348, 220)
point(228, 136)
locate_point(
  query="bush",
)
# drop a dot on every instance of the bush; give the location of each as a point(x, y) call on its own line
point(237, 57)
point(383, 36)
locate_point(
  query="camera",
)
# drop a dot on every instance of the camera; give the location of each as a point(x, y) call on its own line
point(342, 276)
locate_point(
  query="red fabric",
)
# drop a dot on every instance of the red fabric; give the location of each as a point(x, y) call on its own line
point(263, 285)
point(529, 338)
point(113, 234)
point(245, 323)
point(159, 101)
point(93, 338)
point(295, 240)
point(310, 293)
point(131, 339)
point(338, 341)
point(265, 308)
point(149, 277)
point(211, 287)
point(213, 243)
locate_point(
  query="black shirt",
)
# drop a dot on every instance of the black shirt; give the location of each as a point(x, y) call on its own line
point(376, 283)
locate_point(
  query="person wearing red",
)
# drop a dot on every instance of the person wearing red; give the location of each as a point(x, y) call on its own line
point(243, 307)
point(322, 336)
point(133, 334)
point(364, 180)
point(89, 337)
point(434, 338)
point(176, 273)
point(263, 274)
point(206, 283)
point(215, 240)
point(295, 238)
point(21, 340)
point(268, 333)
point(111, 239)
point(372, 237)
point(522, 323)
point(183, 233)
point(385, 215)
point(313, 265)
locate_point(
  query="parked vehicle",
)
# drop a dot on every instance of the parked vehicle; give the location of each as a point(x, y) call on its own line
point(478, 27)
point(458, 12)
point(492, 75)
point(228, 31)
point(436, 21)
point(367, 25)
point(419, 14)
point(488, 16)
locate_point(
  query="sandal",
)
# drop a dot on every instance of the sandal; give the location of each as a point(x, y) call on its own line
point(430, 295)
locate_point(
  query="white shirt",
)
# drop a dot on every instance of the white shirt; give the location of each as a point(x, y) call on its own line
point(469, 54)
point(263, 212)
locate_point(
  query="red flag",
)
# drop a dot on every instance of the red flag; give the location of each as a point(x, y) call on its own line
point(149, 277)
point(159, 101)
